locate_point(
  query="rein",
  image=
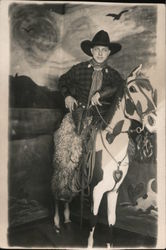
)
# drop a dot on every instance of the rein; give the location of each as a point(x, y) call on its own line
point(138, 130)
point(127, 91)
point(117, 174)
point(117, 162)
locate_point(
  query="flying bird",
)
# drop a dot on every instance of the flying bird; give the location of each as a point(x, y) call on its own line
point(117, 16)
point(27, 29)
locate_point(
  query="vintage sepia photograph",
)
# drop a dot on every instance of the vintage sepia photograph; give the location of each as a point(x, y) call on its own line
point(82, 125)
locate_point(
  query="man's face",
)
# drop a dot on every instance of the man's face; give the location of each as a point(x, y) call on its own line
point(100, 53)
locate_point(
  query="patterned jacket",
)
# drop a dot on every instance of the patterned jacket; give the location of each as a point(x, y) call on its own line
point(77, 82)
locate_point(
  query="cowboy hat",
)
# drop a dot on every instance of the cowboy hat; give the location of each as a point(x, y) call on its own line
point(100, 39)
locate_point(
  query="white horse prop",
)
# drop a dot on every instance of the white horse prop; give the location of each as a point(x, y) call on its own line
point(138, 103)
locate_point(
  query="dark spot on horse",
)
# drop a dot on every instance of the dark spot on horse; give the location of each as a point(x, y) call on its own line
point(155, 97)
point(140, 210)
point(151, 120)
point(130, 107)
point(144, 83)
point(145, 196)
point(110, 137)
point(154, 186)
point(98, 172)
point(93, 220)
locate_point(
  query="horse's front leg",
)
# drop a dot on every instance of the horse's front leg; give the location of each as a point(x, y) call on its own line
point(111, 213)
point(112, 197)
point(98, 192)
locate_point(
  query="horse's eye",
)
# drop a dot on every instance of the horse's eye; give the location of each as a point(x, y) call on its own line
point(132, 89)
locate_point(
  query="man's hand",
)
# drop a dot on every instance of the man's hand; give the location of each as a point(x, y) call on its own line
point(95, 99)
point(70, 102)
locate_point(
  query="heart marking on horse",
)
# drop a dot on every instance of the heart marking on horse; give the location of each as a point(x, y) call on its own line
point(117, 174)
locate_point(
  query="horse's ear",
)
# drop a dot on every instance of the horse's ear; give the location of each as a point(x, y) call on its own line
point(134, 73)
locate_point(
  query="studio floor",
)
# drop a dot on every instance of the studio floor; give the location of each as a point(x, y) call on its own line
point(42, 233)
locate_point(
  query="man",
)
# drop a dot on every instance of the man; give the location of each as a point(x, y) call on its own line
point(90, 88)
point(91, 82)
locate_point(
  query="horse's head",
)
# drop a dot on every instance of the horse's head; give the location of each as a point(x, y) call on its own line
point(140, 100)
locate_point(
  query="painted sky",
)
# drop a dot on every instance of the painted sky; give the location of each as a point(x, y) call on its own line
point(46, 42)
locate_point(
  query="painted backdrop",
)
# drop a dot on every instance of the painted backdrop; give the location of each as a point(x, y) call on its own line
point(45, 39)
point(45, 42)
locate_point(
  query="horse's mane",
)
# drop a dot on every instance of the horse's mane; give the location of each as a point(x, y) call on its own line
point(144, 83)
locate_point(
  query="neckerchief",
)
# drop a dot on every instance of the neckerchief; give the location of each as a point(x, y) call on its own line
point(97, 77)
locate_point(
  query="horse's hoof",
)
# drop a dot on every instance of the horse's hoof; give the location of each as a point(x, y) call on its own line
point(67, 221)
point(109, 246)
point(68, 225)
point(90, 239)
point(57, 229)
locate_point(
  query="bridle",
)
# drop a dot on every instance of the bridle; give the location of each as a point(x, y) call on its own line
point(138, 130)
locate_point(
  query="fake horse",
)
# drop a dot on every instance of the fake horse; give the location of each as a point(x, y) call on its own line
point(138, 103)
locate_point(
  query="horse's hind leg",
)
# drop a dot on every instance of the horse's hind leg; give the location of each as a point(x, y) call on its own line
point(56, 217)
point(111, 212)
point(67, 213)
